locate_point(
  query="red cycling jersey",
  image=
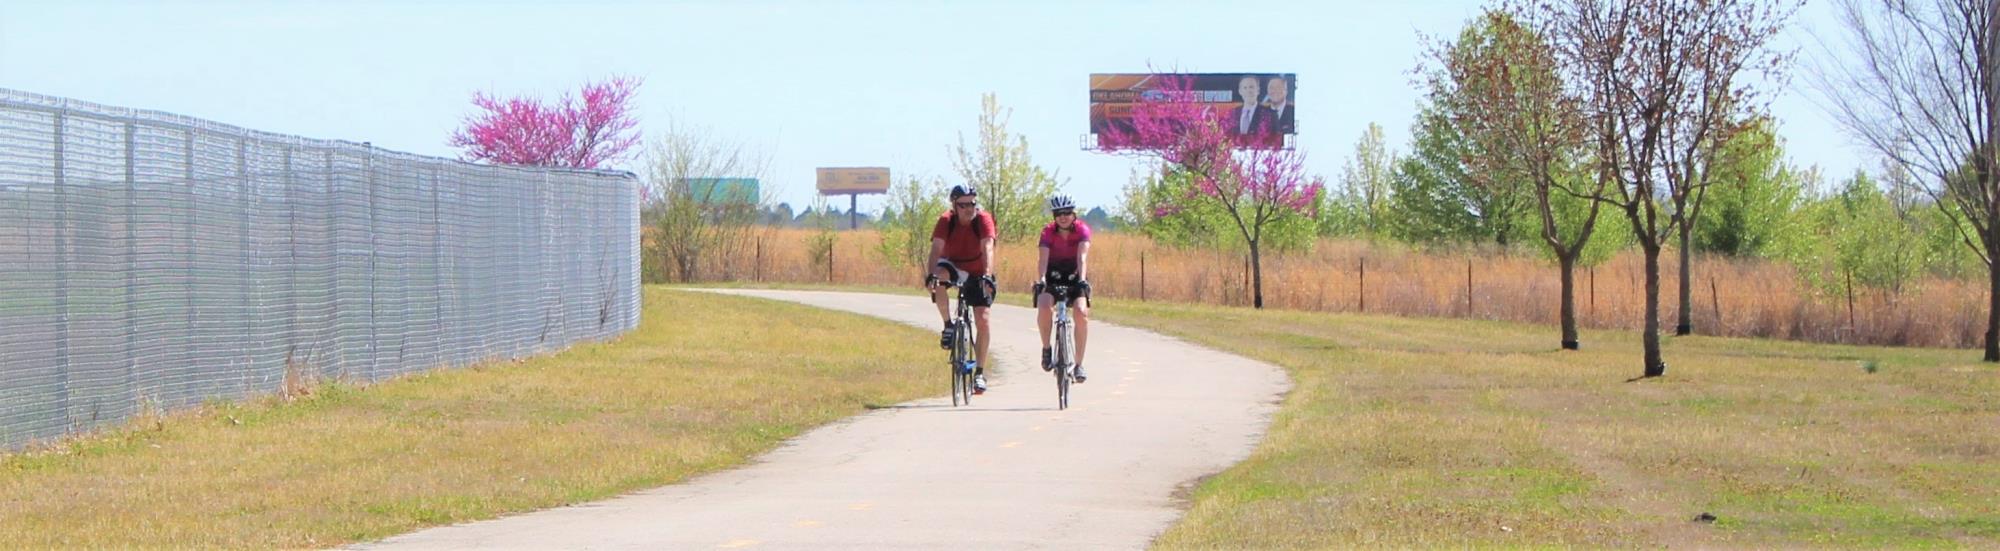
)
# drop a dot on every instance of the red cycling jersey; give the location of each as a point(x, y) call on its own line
point(961, 244)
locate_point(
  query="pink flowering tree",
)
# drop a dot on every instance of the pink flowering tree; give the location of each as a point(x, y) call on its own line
point(1246, 178)
point(592, 129)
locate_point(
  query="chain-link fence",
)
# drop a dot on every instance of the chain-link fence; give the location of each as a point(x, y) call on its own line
point(150, 261)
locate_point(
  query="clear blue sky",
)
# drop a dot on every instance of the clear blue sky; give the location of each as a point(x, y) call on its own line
point(807, 84)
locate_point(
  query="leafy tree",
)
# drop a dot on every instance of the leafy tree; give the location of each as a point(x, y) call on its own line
point(1432, 201)
point(1857, 237)
point(1010, 184)
point(1365, 181)
point(907, 221)
point(1752, 198)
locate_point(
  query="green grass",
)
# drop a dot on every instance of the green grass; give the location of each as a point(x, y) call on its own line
point(1398, 433)
point(1451, 433)
point(705, 383)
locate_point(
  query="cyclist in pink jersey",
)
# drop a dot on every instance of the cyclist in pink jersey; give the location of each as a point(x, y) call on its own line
point(1065, 254)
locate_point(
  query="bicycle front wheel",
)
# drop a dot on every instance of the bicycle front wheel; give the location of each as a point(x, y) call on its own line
point(1064, 363)
point(962, 358)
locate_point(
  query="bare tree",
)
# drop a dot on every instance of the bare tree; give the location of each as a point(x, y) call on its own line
point(1660, 82)
point(1918, 85)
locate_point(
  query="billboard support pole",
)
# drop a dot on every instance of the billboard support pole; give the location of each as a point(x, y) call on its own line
point(853, 215)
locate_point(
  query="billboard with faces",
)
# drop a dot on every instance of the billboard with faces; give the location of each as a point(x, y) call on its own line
point(1259, 107)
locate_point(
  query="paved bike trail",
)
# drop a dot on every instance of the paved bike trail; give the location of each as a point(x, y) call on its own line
point(1008, 472)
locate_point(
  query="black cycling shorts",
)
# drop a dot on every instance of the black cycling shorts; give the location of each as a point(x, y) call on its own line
point(1064, 274)
point(976, 296)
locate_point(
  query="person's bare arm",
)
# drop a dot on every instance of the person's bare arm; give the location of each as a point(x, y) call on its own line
point(1082, 260)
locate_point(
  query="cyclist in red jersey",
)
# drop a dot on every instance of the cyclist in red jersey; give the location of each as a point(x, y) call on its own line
point(1065, 252)
point(962, 255)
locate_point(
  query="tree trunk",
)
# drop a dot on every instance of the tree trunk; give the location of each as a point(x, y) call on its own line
point(1256, 276)
point(1686, 324)
point(1993, 312)
point(1651, 338)
point(1568, 265)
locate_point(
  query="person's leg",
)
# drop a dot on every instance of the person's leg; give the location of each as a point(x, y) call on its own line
point(1044, 319)
point(979, 317)
point(979, 296)
point(942, 295)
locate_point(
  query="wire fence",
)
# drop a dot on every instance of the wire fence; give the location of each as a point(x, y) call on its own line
point(151, 261)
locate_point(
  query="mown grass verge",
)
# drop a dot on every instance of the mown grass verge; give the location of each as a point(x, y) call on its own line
point(705, 383)
point(1450, 433)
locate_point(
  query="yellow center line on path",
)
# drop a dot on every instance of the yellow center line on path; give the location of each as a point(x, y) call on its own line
point(738, 544)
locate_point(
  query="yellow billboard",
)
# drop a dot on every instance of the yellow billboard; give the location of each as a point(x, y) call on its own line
point(850, 180)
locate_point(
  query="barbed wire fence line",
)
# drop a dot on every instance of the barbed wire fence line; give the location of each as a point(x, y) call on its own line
point(151, 261)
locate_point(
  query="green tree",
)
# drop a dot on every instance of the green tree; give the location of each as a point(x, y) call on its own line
point(1752, 196)
point(1855, 238)
point(1431, 201)
point(1010, 184)
point(912, 211)
point(1944, 244)
point(1364, 183)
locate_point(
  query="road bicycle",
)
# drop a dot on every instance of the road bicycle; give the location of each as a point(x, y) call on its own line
point(964, 340)
point(1063, 350)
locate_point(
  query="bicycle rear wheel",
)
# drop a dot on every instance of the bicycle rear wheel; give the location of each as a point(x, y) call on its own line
point(1062, 388)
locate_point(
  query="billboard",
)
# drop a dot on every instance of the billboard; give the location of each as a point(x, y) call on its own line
point(1260, 106)
point(723, 190)
point(851, 180)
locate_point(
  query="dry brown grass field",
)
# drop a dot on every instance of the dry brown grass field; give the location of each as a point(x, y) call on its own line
point(1732, 297)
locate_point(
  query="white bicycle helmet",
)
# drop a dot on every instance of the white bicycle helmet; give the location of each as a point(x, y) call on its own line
point(1060, 202)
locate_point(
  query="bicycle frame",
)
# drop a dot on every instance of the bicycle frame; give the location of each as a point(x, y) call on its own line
point(963, 350)
point(1064, 353)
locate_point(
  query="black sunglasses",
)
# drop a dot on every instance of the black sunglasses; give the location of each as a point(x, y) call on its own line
point(966, 205)
point(1065, 213)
